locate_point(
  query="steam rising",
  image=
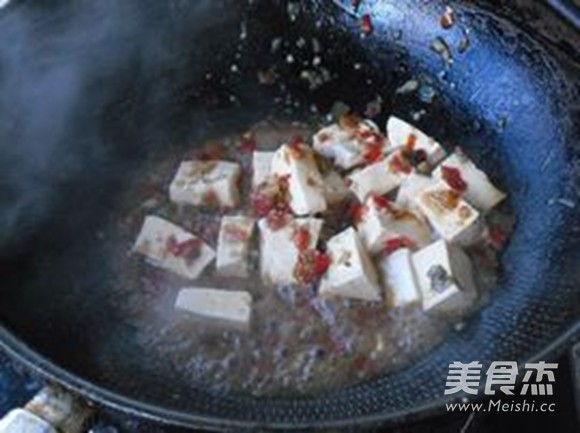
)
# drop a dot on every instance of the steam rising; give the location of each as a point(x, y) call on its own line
point(61, 67)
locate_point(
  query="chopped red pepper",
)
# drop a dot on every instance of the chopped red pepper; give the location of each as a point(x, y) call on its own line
point(396, 244)
point(366, 24)
point(210, 198)
point(187, 249)
point(296, 140)
point(322, 262)
point(382, 202)
point(356, 212)
point(373, 154)
point(411, 142)
point(247, 144)
point(452, 176)
point(262, 203)
point(400, 165)
point(498, 238)
point(311, 266)
point(302, 239)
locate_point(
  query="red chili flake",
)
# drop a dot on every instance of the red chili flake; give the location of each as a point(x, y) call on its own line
point(498, 238)
point(400, 165)
point(296, 140)
point(247, 144)
point(262, 203)
point(452, 176)
point(210, 198)
point(277, 219)
point(186, 249)
point(396, 244)
point(411, 142)
point(322, 262)
point(311, 266)
point(373, 154)
point(370, 137)
point(366, 25)
point(302, 239)
point(356, 212)
point(382, 202)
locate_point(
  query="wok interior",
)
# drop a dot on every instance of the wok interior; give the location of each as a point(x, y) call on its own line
point(99, 113)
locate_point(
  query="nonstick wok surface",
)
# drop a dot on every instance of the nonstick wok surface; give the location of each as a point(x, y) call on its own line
point(89, 89)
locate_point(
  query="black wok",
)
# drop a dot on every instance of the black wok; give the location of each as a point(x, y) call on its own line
point(90, 88)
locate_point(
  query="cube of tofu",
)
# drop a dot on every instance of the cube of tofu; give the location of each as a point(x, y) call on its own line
point(305, 184)
point(335, 189)
point(206, 183)
point(445, 277)
point(377, 179)
point(399, 280)
point(412, 186)
point(261, 167)
point(338, 145)
point(351, 273)
point(280, 250)
point(382, 220)
point(168, 246)
point(477, 188)
point(453, 218)
point(401, 133)
point(234, 246)
point(348, 144)
point(233, 308)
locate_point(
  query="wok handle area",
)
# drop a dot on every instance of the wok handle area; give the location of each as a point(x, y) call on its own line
point(52, 410)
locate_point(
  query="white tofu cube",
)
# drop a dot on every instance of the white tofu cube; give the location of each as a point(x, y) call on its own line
point(206, 183)
point(335, 189)
point(377, 179)
point(348, 145)
point(351, 273)
point(234, 246)
point(403, 134)
point(261, 167)
point(233, 308)
point(338, 145)
point(479, 191)
point(453, 218)
point(412, 186)
point(445, 277)
point(399, 279)
point(305, 184)
point(170, 247)
point(279, 252)
point(382, 220)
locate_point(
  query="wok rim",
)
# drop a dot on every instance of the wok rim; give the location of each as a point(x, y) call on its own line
point(38, 364)
point(18, 350)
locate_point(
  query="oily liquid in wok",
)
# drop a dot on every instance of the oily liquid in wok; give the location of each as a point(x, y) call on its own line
point(298, 342)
